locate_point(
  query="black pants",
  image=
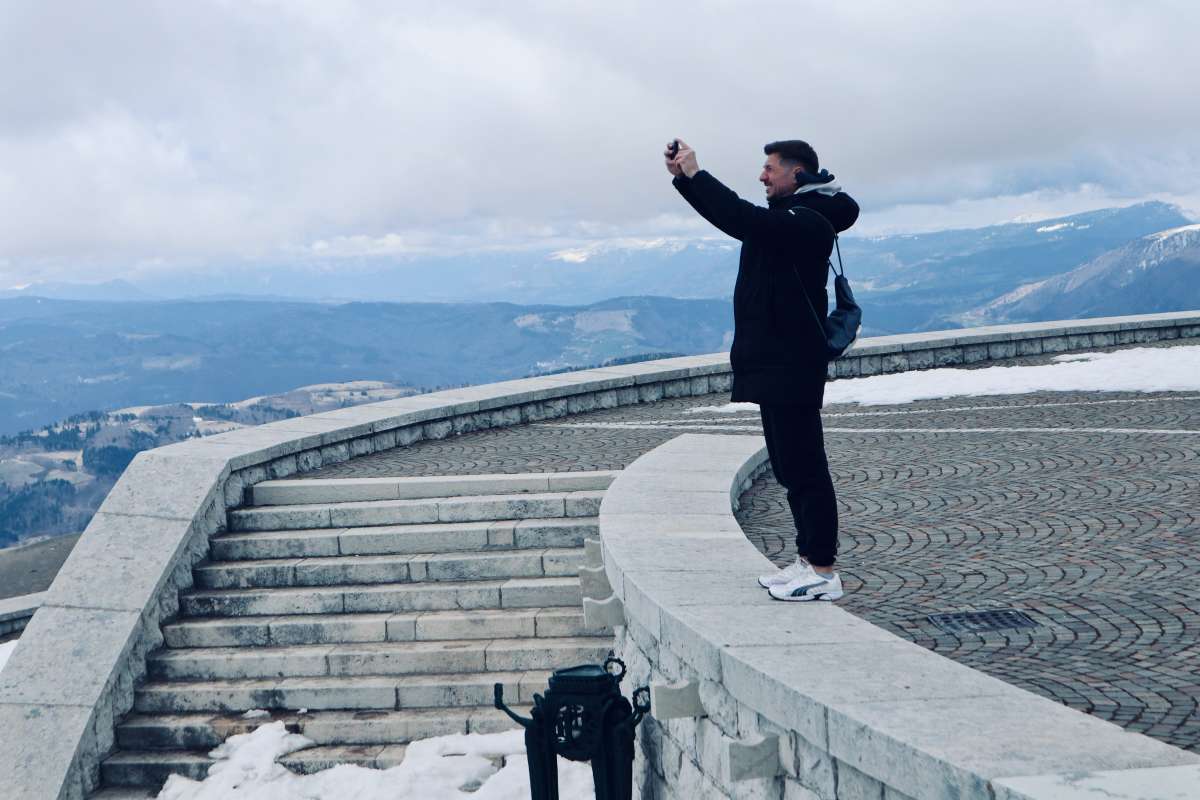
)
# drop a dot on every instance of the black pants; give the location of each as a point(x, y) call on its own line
point(796, 446)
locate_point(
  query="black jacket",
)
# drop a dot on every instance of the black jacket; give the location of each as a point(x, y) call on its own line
point(778, 353)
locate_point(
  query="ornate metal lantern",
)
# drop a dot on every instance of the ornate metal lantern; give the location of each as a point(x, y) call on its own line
point(582, 717)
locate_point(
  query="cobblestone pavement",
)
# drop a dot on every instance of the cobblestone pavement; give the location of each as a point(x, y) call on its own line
point(1066, 508)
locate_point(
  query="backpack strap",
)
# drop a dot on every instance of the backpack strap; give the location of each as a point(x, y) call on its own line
point(807, 299)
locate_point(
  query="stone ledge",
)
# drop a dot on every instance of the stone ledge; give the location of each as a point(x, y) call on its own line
point(15, 612)
point(900, 717)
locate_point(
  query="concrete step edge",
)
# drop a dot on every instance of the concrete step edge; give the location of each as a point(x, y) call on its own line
point(295, 491)
point(283, 629)
point(382, 512)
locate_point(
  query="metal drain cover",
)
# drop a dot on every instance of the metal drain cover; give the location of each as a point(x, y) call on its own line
point(982, 621)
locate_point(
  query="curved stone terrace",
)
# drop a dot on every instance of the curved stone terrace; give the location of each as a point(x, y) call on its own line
point(1074, 508)
point(1061, 507)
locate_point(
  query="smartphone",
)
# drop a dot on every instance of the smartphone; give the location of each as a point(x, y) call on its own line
point(673, 148)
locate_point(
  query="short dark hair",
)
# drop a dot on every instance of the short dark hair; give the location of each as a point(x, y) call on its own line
point(795, 151)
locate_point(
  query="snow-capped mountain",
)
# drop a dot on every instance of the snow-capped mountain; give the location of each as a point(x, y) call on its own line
point(1154, 273)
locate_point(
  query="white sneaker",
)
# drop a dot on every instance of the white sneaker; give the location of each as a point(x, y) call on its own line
point(786, 575)
point(810, 586)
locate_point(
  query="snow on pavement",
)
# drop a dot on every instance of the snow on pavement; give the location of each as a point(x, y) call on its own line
point(1138, 369)
point(6, 650)
point(476, 766)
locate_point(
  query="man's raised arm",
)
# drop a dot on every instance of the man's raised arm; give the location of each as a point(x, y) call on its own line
point(736, 217)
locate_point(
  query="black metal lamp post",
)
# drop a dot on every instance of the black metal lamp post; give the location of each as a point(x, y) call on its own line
point(582, 717)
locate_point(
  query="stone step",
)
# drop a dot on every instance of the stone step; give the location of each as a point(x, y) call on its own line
point(406, 539)
point(429, 567)
point(402, 512)
point(375, 658)
point(344, 490)
point(144, 768)
point(204, 731)
point(373, 693)
point(383, 627)
point(462, 595)
point(138, 768)
point(125, 793)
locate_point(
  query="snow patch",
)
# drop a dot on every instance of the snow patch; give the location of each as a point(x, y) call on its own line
point(1167, 234)
point(6, 650)
point(729, 408)
point(1052, 228)
point(1138, 369)
point(459, 767)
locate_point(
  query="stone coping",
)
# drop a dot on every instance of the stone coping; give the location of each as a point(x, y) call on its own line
point(15, 612)
point(919, 723)
point(122, 580)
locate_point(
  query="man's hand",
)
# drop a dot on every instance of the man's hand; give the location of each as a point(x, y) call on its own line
point(684, 162)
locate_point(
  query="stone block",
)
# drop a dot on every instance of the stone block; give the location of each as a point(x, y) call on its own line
point(921, 359)
point(645, 498)
point(792, 790)
point(593, 582)
point(974, 353)
point(309, 460)
point(387, 512)
point(41, 744)
point(720, 383)
point(894, 362)
point(756, 757)
point(999, 350)
point(675, 700)
point(77, 669)
point(854, 785)
point(1029, 347)
point(282, 467)
point(121, 562)
point(1055, 344)
point(580, 481)
point(813, 767)
point(603, 614)
point(1161, 783)
point(592, 554)
point(949, 747)
point(650, 393)
point(501, 534)
point(168, 486)
point(335, 453)
point(540, 592)
point(772, 696)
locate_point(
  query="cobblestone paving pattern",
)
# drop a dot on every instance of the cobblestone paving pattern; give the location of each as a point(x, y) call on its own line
point(1090, 529)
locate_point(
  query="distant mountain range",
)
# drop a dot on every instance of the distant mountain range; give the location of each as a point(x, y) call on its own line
point(1159, 272)
point(60, 357)
point(63, 356)
point(906, 282)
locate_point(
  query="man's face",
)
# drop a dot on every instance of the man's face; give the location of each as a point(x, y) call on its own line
point(779, 178)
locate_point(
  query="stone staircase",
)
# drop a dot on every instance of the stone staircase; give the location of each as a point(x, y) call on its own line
point(366, 613)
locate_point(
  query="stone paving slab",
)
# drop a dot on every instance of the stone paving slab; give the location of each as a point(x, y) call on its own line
point(1093, 534)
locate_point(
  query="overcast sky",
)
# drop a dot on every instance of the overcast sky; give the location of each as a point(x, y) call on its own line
point(172, 135)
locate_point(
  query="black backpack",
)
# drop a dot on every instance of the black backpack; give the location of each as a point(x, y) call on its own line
point(841, 328)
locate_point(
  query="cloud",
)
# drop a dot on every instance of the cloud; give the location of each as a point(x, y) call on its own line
point(180, 134)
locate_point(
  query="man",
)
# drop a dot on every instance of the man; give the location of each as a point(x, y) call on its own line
point(778, 354)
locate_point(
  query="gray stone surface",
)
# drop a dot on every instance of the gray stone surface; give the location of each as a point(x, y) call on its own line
point(136, 554)
point(176, 485)
point(41, 743)
point(947, 748)
point(98, 638)
point(1161, 783)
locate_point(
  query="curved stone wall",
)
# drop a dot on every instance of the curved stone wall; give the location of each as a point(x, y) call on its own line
point(72, 675)
point(757, 698)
